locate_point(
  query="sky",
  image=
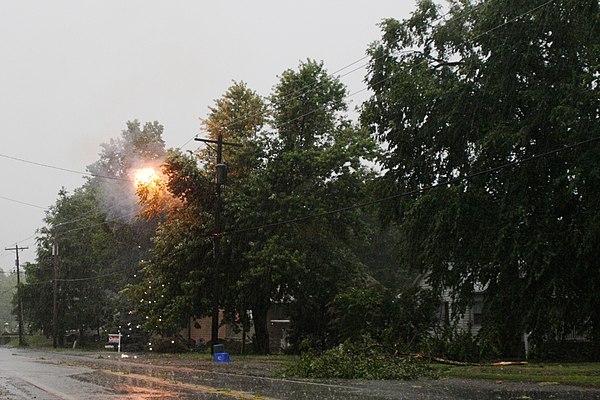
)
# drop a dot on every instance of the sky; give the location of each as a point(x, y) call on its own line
point(73, 72)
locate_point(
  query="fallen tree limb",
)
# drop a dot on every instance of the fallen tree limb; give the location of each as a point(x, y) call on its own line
point(505, 363)
point(442, 360)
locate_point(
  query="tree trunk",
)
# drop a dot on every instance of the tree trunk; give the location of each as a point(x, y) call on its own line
point(261, 332)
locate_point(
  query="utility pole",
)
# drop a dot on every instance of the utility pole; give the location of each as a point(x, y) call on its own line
point(220, 176)
point(19, 301)
point(55, 293)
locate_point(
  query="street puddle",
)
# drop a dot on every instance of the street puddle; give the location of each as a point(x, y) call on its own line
point(142, 393)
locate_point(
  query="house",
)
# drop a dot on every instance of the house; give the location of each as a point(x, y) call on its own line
point(446, 315)
point(199, 331)
point(469, 321)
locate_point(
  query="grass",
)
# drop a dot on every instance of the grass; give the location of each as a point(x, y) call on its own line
point(38, 341)
point(578, 374)
point(32, 341)
point(42, 342)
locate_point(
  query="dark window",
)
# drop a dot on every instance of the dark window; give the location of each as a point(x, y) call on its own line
point(446, 313)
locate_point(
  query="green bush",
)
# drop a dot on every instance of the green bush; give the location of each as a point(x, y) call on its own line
point(396, 320)
point(364, 360)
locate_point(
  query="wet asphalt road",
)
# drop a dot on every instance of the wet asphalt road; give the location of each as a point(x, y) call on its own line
point(22, 377)
point(29, 374)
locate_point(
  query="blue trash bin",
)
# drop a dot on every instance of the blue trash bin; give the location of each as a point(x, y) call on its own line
point(221, 357)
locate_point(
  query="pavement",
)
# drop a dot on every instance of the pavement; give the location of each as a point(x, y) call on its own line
point(150, 376)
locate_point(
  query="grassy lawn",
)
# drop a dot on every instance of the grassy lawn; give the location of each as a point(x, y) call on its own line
point(579, 374)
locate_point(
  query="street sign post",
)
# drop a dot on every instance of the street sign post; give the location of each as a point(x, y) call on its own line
point(115, 338)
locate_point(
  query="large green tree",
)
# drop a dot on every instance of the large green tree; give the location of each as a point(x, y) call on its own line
point(496, 82)
point(99, 238)
point(175, 282)
point(179, 278)
point(8, 290)
point(293, 250)
point(85, 251)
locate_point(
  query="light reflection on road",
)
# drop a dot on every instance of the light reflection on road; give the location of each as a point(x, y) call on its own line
point(140, 393)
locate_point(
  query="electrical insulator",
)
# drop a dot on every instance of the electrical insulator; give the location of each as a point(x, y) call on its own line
point(221, 174)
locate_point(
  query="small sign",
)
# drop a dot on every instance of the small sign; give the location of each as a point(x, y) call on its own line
point(114, 338)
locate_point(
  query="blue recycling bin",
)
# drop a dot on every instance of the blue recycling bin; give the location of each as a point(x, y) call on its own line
point(222, 357)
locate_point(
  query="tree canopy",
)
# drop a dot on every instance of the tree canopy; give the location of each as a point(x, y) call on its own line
point(488, 96)
point(100, 241)
point(294, 251)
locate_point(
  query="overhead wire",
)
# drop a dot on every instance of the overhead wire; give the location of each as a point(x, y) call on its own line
point(296, 94)
point(422, 62)
point(80, 218)
point(86, 279)
point(39, 164)
point(445, 183)
point(306, 89)
point(306, 114)
point(415, 191)
point(22, 202)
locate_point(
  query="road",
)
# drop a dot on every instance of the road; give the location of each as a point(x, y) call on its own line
point(22, 377)
point(33, 374)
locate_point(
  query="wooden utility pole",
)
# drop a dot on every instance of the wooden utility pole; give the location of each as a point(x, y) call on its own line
point(220, 176)
point(19, 301)
point(55, 294)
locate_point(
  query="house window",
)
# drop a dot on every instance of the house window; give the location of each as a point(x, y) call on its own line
point(447, 313)
point(477, 315)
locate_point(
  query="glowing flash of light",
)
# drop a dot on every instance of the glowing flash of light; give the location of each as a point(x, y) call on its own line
point(148, 179)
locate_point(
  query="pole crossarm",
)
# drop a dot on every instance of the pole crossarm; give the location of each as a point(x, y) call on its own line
point(217, 142)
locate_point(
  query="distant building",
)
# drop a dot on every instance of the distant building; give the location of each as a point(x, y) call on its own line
point(199, 330)
point(468, 321)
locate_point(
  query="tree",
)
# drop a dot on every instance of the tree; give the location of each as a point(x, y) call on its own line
point(8, 291)
point(495, 83)
point(293, 251)
point(179, 276)
point(239, 115)
point(85, 250)
point(100, 241)
point(399, 321)
point(175, 279)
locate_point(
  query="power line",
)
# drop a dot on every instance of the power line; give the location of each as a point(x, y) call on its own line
point(310, 88)
point(22, 202)
point(381, 200)
point(63, 169)
point(415, 191)
point(392, 75)
point(89, 278)
point(377, 201)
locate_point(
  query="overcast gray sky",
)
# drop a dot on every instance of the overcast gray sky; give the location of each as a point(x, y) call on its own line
point(72, 72)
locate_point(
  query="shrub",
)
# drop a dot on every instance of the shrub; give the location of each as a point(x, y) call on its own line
point(364, 360)
point(398, 320)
